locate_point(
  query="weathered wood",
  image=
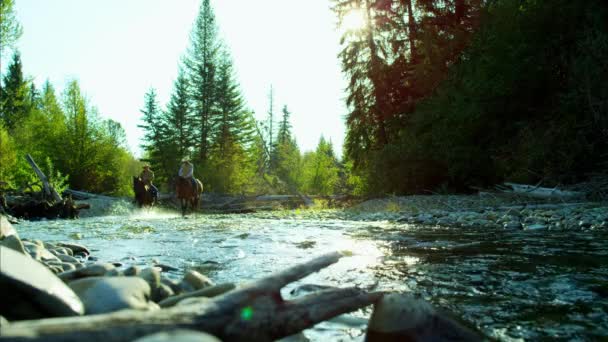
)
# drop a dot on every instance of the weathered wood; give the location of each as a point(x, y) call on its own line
point(82, 195)
point(33, 209)
point(48, 190)
point(540, 192)
point(255, 312)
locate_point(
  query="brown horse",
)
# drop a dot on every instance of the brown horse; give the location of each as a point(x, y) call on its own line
point(188, 194)
point(143, 193)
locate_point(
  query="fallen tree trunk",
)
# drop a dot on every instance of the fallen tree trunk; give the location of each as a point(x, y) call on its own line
point(48, 191)
point(255, 312)
point(540, 192)
point(33, 209)
point(82, 195)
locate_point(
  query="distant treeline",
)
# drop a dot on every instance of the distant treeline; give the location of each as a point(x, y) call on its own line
point(67, 138)
point(206, 120)
point(446, 95)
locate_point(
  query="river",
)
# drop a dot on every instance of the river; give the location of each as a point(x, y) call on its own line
point(511, 284)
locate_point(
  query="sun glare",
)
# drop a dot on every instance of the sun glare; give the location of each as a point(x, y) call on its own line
point(354, 20)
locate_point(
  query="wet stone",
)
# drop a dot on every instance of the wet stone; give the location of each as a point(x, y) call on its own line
point(512, 225)
point(34, 291)
point(108, 294)
point(195, 281)
point(67, 258)
point(6, 228)
point(179, 336)
point(399, 317)
point(132, 271)
point(536, 226)
point(13, 242)
point(93, 270)
point(76, 248)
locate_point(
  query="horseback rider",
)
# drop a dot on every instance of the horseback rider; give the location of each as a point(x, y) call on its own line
point(147, 176)
point(186, 170)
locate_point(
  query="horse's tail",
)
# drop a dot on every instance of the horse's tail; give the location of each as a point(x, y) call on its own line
point(199, 188)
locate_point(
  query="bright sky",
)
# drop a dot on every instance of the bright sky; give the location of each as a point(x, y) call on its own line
point(118, 49)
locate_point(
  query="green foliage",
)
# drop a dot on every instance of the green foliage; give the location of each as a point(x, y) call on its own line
point(470, 93)
point(10, 29)
point(202, 66)
point(320, 170)
point(58, 181)
point(8, 157)
point(14, 100)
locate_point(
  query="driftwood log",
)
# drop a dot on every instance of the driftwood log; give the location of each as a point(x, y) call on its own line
point(51, 206)
point(254, 312)
point(34, 209)
point(48, 191)
point(540, 192)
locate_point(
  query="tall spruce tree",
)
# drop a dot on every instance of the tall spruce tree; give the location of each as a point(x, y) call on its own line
point(155, 143)
point(202, 65)
point(181, 125)
point(286, 155)
point(15, 102)
point(230, 106)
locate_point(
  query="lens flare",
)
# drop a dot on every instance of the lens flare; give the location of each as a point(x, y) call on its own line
point(246, 313)
point(353, 20)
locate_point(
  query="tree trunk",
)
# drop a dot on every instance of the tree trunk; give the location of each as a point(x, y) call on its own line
point(48, 191)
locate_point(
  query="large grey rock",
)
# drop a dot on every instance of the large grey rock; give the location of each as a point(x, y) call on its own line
point(195, 281)
point(399, 317)
point(30, 290)
point(107, 294)
point(180, 335)
point(152, 276)
point(76, 248)
point(67, 258)
point(94, 270)
point(6, 228)
point(13, 242)
point(38, 252)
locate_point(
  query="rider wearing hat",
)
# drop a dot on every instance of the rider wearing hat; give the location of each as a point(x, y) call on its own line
point(186, 171)
point(147, 176)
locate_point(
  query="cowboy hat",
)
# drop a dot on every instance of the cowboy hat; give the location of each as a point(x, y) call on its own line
point(146, 166)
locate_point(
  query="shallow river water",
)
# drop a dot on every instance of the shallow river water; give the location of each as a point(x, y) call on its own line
point(510, 284)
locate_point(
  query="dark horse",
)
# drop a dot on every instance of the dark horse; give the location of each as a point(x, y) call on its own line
point(188, 194)
point(143, 193)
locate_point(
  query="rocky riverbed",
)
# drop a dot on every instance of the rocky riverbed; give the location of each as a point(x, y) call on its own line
point(62, 279)
point(504, 265)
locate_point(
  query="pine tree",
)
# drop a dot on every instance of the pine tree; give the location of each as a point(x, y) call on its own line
point(284, 133)
point(202, 66)
point(155, 140)
point(179, 119)
point(285, 161)
point(231, 167)
point(230, 105)
point(77, 156)
point(14, 95)
point(320, 170)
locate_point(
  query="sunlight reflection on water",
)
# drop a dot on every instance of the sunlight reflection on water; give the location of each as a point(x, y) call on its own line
point(510, 284)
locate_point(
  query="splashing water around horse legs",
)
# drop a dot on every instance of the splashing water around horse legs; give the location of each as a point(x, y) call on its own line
point(143, 193)
point(188, 193)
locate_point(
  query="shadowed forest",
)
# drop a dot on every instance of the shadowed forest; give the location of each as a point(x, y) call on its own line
point(443, 96)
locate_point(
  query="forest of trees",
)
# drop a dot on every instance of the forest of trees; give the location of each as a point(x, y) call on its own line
point(449, 95)
point(206, 120)
point(442, 96)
